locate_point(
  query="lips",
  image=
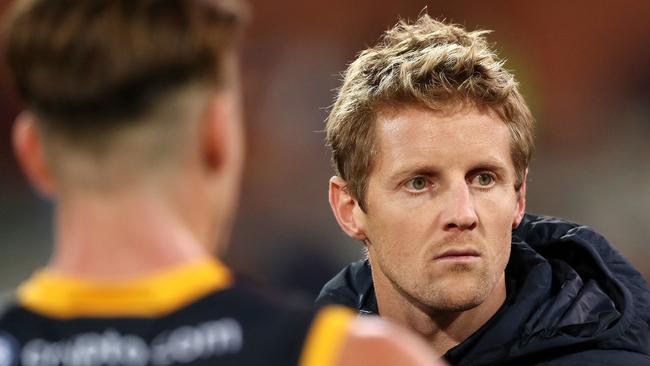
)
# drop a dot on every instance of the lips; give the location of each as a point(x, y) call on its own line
point(458, 254)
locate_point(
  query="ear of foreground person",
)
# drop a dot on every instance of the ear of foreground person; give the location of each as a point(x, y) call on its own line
point(132, 128)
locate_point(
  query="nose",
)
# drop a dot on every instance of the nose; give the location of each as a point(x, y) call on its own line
point(459, 212)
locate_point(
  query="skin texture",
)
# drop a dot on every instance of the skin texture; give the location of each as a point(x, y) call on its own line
point(441, 204)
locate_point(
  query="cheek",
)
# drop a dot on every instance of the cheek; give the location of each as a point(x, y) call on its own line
point(499, 207)
point(496, 214)
point(399, 221)
point(397, 233)
point(503, 245)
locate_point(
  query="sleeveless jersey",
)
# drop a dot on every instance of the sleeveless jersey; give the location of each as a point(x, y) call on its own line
point(194, 315)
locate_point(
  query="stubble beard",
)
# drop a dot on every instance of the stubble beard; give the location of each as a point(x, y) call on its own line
point(435, 298)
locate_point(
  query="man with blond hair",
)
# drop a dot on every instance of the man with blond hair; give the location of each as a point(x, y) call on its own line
point(133, 127)
point(431, 141)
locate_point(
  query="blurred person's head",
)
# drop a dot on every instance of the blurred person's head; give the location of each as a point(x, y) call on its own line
point(129, 98)
point(431, 141)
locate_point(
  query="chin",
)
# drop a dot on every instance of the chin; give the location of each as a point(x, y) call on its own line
point(457, 297)
point(456, 304)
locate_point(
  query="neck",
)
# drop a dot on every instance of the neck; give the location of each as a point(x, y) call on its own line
point(443, 330)
point(122, 236)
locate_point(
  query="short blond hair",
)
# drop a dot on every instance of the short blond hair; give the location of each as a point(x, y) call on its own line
point(113, 83)
point(91, 65)
point(427, 63)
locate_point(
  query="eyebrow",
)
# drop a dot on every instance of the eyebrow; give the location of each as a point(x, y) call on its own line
point(488, 163)
point(500, 169)
point(413, 170)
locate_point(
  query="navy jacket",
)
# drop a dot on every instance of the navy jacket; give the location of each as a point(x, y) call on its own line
point(572, 300)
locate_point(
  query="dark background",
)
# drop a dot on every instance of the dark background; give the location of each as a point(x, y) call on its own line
point(583, 67)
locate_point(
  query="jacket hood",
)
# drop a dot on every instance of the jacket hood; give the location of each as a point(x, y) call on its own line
point(568, 290)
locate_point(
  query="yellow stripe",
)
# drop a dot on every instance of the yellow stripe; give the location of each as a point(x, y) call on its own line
point(58, 296)
point(327, 336)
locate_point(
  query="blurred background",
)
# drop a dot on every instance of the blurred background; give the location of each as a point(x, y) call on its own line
point(584, 67)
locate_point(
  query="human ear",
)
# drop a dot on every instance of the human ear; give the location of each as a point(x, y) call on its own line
point(28, 147)
point(346, 209)
point(212, 136)
point(221, 138)
point(520, 208)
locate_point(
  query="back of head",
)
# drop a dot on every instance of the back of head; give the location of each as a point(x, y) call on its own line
point(118, 77)
point(429, 63)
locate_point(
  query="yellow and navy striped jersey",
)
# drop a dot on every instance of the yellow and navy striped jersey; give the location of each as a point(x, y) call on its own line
point(192, 315)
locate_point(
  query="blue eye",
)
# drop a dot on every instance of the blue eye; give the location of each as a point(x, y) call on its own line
point(484, 179)
point(417, 183)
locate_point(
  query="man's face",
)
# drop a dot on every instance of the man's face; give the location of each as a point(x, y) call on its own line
point(441, 205)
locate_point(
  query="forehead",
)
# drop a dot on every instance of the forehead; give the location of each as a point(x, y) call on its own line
point(418, 136)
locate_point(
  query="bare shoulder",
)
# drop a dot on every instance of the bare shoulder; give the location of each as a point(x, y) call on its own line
point(372, 341)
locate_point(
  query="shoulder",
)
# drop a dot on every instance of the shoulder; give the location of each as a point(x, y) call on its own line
point(14, 323)
point(12, 316)
point(240, 325)
point(327, 336)
point(584, 249)
point(600, 357)
point(273, 322)
point(339, 337)
point(351, 287)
